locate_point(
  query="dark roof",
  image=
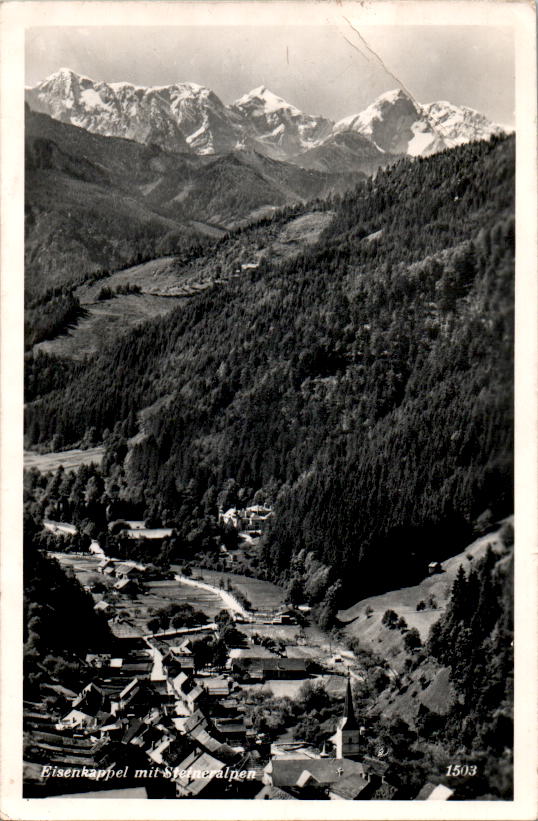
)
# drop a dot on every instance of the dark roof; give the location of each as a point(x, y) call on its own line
point(134, 728)
point(349, 787)
point(287, 771)
point(271, 793)
point(271, 663)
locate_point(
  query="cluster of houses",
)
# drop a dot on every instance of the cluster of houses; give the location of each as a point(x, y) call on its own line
point(146, 717)
point(253, 520)
point(129, 578)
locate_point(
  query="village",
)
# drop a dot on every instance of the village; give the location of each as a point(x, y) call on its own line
point(173, 709)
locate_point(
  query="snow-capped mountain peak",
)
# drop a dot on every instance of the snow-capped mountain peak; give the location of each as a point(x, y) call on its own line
point(398, 124)
point(459, 124)
point(186, 116)
point(267, 100)
point(281, 128)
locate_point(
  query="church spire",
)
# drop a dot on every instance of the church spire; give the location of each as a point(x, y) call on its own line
point(349, 721)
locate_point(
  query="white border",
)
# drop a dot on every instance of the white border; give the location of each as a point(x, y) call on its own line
point(15, 17)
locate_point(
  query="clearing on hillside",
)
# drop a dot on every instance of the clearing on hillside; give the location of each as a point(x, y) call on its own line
point(70, 459)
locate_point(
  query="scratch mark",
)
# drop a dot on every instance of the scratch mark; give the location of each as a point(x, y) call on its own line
point(390, 73)
point(379, 59)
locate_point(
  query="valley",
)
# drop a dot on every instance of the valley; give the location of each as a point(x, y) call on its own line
point(277, 372)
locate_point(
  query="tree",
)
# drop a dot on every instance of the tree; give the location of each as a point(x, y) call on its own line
point(412, 639)
point(390, 619)
point(295, 591)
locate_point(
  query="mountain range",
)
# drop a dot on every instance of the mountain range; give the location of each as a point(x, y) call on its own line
point(188, 118)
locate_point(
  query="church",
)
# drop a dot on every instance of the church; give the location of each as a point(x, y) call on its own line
point(347, 737)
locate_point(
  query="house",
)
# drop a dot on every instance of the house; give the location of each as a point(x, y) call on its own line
point(270, 793)
point(76, 719)
point(351, 788)
point(233, 730)
point(96, 548)
point(218, 687)
point(257, 518)
point(231, 517)
point(195, 776)
point(91, 700)
point(434, 792)
point(127, 586)
point(90, 710)
point(256, 668)
point(129, 570)
point(188, 692)
point(253, 519)
point(286, 772)
point(182, 655)
point(104, 607)
point(107, 567)
point(126, 696)
point(435, 567)
point(286, 617)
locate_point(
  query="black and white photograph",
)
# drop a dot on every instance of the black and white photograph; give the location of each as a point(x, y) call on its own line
point(268, 497)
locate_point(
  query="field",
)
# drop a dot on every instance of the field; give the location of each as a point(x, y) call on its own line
point(158, 594)
point(106, 320)
point(70, 459)
point(262, 595)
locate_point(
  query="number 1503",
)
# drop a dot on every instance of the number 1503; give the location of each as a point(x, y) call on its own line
point(461, 769)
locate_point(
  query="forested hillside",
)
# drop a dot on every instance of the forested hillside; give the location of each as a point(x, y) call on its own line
point(365, 385)
point(61, 625)
point(465, 673)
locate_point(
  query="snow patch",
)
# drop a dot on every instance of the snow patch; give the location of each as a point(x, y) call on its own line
point(91, 99)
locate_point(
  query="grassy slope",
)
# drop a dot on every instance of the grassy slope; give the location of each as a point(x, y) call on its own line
point(373, 635)
point(69, 459)
point(160, 280)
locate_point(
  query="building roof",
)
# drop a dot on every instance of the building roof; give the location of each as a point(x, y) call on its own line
point(270, 664)
point(129, 688)
point(198, 762)
point(217, 686)
point(126, 569)
point(285, 772)
point(136, 727)
point(434, 792)
point(60, 690)
point(123, 584)
point(349, 787)
point(271, 793)
point(250, 653)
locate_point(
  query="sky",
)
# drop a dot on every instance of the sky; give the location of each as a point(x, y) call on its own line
point(321, 69)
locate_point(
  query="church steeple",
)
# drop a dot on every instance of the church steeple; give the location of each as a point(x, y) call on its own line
point(349, 721)
point(347, 737)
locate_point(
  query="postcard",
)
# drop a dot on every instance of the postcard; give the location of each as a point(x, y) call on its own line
point(269, 417)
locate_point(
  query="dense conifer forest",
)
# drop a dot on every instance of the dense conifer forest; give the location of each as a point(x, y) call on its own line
point(365, 387)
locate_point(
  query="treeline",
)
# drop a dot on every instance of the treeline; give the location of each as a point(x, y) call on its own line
point(369, 380)
point(50, 315)
point(45, 372)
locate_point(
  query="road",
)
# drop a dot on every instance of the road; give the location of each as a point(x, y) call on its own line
point(229, 601)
